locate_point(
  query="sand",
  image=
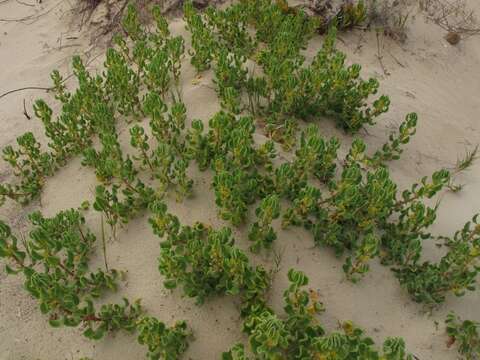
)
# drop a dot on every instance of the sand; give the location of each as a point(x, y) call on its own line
point(426, 75)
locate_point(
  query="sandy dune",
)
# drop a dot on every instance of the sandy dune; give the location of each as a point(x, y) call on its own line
point(426, 75)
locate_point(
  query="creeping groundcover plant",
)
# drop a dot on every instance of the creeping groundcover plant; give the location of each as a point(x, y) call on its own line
point(264, 83)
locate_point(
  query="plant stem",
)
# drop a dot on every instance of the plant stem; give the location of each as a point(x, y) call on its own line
point(104, 243)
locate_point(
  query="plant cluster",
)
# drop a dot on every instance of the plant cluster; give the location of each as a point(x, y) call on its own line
point(54, 262)
point(240, 167)
point(298, 334)
point(356, 208)
point(288, 88)
point(149, 60)
point(343, 14)
point(142, 59)
point(456, 271)
point(166, 162)
point(466, 333)
point(364, 214)
point(29, 163)
point(204, 261)
point(349, 203)
point(261, 231)
point(68, 135)
point(168, 343)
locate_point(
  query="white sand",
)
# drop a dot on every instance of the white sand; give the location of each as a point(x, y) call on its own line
point(439, 81)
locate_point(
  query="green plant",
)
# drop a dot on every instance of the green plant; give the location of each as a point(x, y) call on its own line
point(466, 334)
point(402, 238)
point(154, 56)
point(344, 15)
point(238, 165)
point(351, 15)
point(129, 195)
point(392, 149)
point(354, 344)
point(163, 342)
point(116, 207)
point(108, 162)
point(168, 162)
point(272, 338)
point(357, 212)
point(227, 28)
point(261, 231)
point(287, 89)
point(139, 140)
point(163, 164)
point(298, 334)
point(157, 76)
point(342, 92)
point(203, 42)
point(304, 206)
point(230, 26)
point(166, 129)
point(110, 166)
point(143, 58)
point(234, 190)
point(31, 165)
point(462, 165)
point(315, 156)
point(237, 352)
point(202, 260)
point(272, 18)
point(54, 262)
point(269, 337)
point(122, 84)
point(69, 134)
point(456, 272)
point(176, 49)
point(151, 58)
point(230, 78)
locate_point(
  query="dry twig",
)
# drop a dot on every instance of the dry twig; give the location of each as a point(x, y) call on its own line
point(25, 111)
